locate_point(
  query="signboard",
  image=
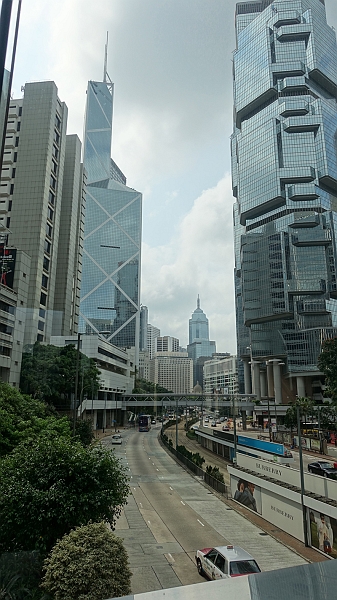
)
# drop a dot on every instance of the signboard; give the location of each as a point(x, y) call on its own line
point(247, 493)
point(263, 445)
point(7, 265)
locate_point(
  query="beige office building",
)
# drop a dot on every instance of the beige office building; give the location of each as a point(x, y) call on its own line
point(173, 371)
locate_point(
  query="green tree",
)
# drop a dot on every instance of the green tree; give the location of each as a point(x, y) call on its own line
point(142, 386)
point(49, 372)
point(327, 363)
point(48, 487)
point(90, 563)
point(23, 418)
point(306, 407)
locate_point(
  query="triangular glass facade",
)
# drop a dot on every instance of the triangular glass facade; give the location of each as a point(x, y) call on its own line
point(112, 236)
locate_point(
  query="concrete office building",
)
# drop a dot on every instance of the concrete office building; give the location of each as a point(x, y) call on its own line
point(167, 343)
point(221, 376)
point(173, 371)
point(41, 202)
point(284, 171)
point(199, 347)
point(110, 291)
point(152, 334)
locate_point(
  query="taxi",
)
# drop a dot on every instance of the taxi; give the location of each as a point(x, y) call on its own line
point(225, 561)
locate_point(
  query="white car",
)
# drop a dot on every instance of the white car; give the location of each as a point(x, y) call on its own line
point(225, 561)
point(116, 439)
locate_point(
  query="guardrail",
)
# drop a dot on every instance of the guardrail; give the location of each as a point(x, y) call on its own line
point(217, 485)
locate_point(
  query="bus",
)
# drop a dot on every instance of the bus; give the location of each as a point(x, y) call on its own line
point(144, 422)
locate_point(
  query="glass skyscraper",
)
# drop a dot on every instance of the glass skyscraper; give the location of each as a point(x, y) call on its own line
point(284, 172)
point(200, 348)
point(112, 237)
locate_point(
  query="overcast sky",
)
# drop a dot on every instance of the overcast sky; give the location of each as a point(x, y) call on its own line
point(170, 61)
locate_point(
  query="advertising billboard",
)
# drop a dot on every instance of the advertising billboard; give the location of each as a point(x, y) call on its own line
point(247, 493)
point(323, 533)
point(7, 265)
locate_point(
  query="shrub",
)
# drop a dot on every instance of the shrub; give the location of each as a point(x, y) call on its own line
point(89, 563)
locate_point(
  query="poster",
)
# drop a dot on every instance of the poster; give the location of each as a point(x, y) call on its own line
point(323, 533)
point(247, 493)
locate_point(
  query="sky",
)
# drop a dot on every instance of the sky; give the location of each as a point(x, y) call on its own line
point(171, 63)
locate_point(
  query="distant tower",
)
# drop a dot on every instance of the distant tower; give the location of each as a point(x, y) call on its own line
point(110, 293)
point(199, 347)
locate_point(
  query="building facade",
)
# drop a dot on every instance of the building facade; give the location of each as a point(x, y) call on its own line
point(284, 172)
point(144, 321)
point(166, 343)
point(41, 204)
point(221, 376)
point(152, 334)
point(110, 291)
point(199, 347)
point(173, 371)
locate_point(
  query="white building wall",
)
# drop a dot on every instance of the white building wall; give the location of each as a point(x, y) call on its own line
point(221, 375)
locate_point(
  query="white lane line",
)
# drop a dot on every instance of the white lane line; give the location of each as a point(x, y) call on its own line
point(171, 557)
point(140, 504)
point(149, 522)
point(157, 469)
point(200, 523)
point(171, 488)
point(183, 503)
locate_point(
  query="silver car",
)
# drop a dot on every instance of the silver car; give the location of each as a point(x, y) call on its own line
point(116, 439)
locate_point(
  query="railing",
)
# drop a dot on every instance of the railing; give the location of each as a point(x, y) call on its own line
point(217, 485)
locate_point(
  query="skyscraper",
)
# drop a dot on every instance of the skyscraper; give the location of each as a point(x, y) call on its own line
point(110, 289)
point(199, 346)
point(284, 171)
point(42, 203)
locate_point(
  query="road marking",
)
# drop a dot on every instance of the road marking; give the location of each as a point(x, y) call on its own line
point(140, 504)
point(171, 557)
point(171, 488)
point(149, 522)
point(182, 502)
point(200, 523)
point(157, 469)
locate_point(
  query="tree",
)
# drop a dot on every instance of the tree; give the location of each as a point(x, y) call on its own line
point(306, 406)
point(47, 487)
point(327, 363)
point(90, 563)
point(142, 386)
point(22, 418)
point(49, 372)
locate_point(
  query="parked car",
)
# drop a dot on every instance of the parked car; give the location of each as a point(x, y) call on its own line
point(224, 562)
point(324, 468)
point(116, 438)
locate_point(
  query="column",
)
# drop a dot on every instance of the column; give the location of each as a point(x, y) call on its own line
point(270, 379)
point(256, 379)
point(300, 386)
point(95, 420)
point(277, 382)
point(263, 382)
point(247, 376)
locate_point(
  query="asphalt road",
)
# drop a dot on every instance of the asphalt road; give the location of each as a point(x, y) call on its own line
point(170, 514)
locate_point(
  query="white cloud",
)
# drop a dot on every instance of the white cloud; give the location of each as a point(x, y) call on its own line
point(198, 260)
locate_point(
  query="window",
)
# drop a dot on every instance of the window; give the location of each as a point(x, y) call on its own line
point(55, 151)
point(52, 182)
point(39, 337)
point(13, 172)
point(20, 111)
point(47, 246)
point(50, 214)
point(56, 137)
point(10, 205)
point(46, 263)
point(54, 167)
point(43, 299)
point(19, 126)
point(40, 325)
point(15, 157)
point(42, 313)
point(58, 122)
point(16, 142)
point(45, 281)
point(49, 230)
point(8, 221)
point(51, 197)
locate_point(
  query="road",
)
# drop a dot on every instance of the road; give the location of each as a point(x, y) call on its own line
point(170, 514)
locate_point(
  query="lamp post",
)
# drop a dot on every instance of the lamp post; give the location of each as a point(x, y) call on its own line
point(76, 382)
point(304, 510)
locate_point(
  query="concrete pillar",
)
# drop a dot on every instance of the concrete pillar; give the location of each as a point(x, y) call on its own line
point(300, 386)
point(263, 383)
point(277, 383)
point(270, 379)
point(247, 376)
point(95, 420)
point(256, 380)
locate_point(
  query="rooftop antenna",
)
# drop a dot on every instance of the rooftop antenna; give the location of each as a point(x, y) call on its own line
point(106, 58)
point(198, 302)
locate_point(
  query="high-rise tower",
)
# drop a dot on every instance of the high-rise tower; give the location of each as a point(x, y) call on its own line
point(284, 171)
point(200, 346)
point(110, 292)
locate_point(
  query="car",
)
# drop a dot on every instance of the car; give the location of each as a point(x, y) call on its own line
point(213, 424)
point(223, 562)
point(324, 468)
point(225, 428)
point(206, 419)
point(153, 422)
point(194, 427)
point(116, 438)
